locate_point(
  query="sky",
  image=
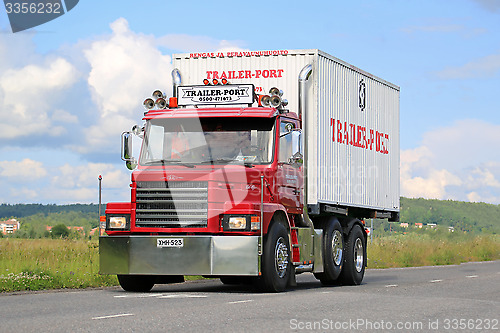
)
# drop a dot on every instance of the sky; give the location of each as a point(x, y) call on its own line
point(69, 87)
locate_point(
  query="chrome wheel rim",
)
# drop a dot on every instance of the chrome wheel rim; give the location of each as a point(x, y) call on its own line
point(281, 255)
point(358, 255)
point(337, 247)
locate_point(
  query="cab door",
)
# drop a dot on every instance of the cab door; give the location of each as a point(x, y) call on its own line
point(289, 176)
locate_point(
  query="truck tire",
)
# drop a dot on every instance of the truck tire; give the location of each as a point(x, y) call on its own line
point(354, 257)
point(276, 260)
point(136, 283)
point(333, 252)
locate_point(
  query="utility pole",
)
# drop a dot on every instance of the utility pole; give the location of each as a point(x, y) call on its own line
point(371, 230)
point(100, 196)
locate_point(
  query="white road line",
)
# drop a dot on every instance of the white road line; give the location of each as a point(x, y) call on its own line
point(434, 281)
point(138, 296)
point(238, 302)
point(182, 296)
point(391, 285)
point(114, 316)
point(472, 276)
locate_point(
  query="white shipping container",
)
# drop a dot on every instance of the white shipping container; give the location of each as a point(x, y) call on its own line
point(353, 119)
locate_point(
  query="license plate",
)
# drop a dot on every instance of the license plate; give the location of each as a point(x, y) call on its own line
point(169, 242)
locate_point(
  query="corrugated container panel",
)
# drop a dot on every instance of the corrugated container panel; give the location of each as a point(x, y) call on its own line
point(338, 172)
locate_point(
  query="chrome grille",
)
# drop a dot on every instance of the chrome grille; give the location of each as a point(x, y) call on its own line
point(172, 204)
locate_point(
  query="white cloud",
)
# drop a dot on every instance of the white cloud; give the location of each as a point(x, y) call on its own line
point(23, 171)
point(24, 194)
point(454, 162)
point(485, 67)
point(125, 68)
point(64, 117)
point(78, 105)
point(71, 176)
point(28, 95)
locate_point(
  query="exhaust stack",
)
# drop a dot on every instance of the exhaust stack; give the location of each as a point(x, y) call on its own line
point(304, 75)
point(176, 80)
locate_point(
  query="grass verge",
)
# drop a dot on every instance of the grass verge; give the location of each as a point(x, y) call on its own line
point(37, 264)
point(429, 249)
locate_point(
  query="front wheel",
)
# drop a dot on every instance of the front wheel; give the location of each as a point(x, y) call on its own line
point(276, 261)
point(136, 283)
point(355, 258)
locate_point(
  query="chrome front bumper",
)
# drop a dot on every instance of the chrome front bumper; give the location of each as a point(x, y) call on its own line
point(200, 255)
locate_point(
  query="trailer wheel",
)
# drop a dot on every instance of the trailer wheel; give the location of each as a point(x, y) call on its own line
point(136, 283)
point(276, 261)
point(355, 258)
point(333, 252)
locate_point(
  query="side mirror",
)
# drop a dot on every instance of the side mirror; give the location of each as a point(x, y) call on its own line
point(126, 154)
point(297, 157)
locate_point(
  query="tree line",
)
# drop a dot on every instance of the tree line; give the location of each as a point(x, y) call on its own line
point(462, 216)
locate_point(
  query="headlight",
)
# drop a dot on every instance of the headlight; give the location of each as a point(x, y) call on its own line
point(118, 222)
point(239, 223)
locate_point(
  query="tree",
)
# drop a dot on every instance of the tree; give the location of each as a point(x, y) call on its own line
point(60, 231)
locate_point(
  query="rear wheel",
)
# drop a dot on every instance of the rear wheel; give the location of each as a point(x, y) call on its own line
point(355, 258)
point(137, 283)
point(333, 252)
point(276, 261)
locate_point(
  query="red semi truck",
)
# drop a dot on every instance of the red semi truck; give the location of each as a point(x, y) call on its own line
point(260, 166)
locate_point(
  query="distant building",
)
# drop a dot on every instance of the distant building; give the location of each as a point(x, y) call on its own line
point(432, 225)
point(404, 225)
point(419, 225)
point(9, 226)
point(96, 231)
point(77, 229)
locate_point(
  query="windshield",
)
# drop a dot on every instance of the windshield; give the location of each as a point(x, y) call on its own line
point(208, 140)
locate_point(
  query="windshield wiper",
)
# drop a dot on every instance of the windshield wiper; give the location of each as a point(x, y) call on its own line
point(187, 165)
point(227, 160)
point(218, 160)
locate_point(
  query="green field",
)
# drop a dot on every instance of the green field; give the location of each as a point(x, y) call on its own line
point(37, 264)
point(429, 248)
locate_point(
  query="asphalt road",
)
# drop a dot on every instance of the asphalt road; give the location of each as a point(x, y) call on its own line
point(464, 298)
